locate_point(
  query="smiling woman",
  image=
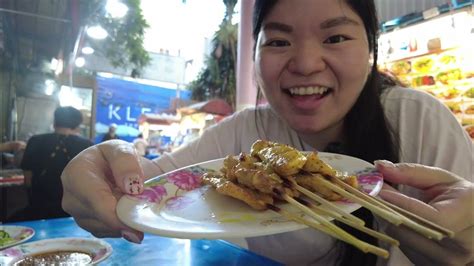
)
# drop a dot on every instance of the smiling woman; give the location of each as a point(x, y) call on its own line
point(316, 62)
point(305, 66)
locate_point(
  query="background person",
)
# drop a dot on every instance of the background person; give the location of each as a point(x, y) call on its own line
point(44, 159)
point(316, 63)
point(140, 145)
point(12, 146)
point(111, 134)
point(11, 153)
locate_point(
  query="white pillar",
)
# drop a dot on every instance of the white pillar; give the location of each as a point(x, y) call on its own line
point(246, 91)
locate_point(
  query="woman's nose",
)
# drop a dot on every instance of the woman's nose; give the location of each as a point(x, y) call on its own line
point(307, 59)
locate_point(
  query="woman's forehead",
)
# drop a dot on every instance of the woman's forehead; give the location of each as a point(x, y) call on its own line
point(314, 11)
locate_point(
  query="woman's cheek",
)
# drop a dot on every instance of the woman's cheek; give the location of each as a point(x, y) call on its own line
point(356, 63)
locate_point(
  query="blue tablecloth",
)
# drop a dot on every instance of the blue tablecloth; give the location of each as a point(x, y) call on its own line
point(154, 250)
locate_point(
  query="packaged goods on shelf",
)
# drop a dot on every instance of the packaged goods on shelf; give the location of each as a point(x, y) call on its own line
point(439, 62)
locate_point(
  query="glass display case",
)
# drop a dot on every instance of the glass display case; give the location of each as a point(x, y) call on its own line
point(436, 55)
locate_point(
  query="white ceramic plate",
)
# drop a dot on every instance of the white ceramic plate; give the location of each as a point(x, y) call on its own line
point(99, 249)
point(176, 205)
point(17, 234)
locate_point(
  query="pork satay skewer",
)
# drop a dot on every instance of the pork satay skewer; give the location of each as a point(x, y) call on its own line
point(261, 201)
point(326, 203)
point(363, 246)
point(268, 183)
point(389, 206)
point(357, 226)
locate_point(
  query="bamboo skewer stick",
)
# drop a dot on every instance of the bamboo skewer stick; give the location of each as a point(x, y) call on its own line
point(357, 226)
point(389, 216)
point(428, 232)
point(444, 230)
point(356, 242)
point(363, 246)
point(327, 204)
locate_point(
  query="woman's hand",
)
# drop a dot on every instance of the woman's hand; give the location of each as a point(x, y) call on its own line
point(95, 180)
point(447, 200)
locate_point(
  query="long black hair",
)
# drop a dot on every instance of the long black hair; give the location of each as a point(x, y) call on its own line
point(367, 133)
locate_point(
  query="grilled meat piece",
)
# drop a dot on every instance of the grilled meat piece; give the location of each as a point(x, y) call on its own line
point(283, 159)
point(315, 165)
point(229, 167)
point(348, 179)
point(314, 184)
point(260, 176)
point(256, 200)
point(258, 180)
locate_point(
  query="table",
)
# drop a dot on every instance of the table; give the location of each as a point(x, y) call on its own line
point(154, 250)
point(9, 178)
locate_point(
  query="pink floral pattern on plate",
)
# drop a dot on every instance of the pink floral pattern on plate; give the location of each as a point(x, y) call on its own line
point(185, 179)
point(177, 203)
point(182, 180)
point(13, 252)
point(369, 178)
point(153, 194)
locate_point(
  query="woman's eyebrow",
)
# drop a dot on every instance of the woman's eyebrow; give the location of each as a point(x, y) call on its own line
point(276, 26)
point(339, 21)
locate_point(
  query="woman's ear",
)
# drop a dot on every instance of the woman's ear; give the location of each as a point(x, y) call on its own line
point(371, 61)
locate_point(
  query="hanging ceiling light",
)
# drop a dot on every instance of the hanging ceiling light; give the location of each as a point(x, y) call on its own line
point(80, 62)
point(87, 50)
point(97, 32)
point(116, 9)
point(49, 87)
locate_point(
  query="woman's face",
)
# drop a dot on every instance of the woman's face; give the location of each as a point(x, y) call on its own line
point(312, 61)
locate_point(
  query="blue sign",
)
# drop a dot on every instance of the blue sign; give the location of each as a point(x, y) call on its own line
point(121, 102)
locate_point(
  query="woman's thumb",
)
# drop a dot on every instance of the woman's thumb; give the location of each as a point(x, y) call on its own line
point(124, 163)
point(414, 175)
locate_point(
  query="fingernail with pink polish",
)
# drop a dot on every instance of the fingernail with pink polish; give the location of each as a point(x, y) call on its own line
point(384, 163)
point(131, 237)
point(133, 185)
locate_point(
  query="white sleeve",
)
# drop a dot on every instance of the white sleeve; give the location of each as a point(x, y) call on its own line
point(429, 132)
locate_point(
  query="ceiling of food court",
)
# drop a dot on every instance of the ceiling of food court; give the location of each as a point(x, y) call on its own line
point(35, 30)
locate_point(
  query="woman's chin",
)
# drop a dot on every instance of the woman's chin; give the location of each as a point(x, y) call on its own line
point(305, 128)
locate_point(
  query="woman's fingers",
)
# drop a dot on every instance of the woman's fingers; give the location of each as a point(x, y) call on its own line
point(419, 248)
point(124, 163)
point(84, 179)
point(445, 194)
point(410, 204)
point(415, 175)
point(90, 191)
point(99, 229)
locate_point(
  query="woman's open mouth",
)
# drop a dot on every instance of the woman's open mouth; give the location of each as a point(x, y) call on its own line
point(307, 97)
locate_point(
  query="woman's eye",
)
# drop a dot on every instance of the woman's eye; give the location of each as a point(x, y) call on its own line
point(277, 43)
point(336, 39)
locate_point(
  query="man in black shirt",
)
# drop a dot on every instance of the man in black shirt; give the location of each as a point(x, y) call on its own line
point(44, 159)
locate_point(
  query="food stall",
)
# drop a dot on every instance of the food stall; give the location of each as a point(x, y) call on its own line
point(207, 113)
point(158, 130)
point(432, 51)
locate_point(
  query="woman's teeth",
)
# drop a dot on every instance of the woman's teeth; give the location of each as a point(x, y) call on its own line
point(308, 90)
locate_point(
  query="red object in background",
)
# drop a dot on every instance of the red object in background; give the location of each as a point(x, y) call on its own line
point(413, 45)
point(158, 119)
point(214, 106)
